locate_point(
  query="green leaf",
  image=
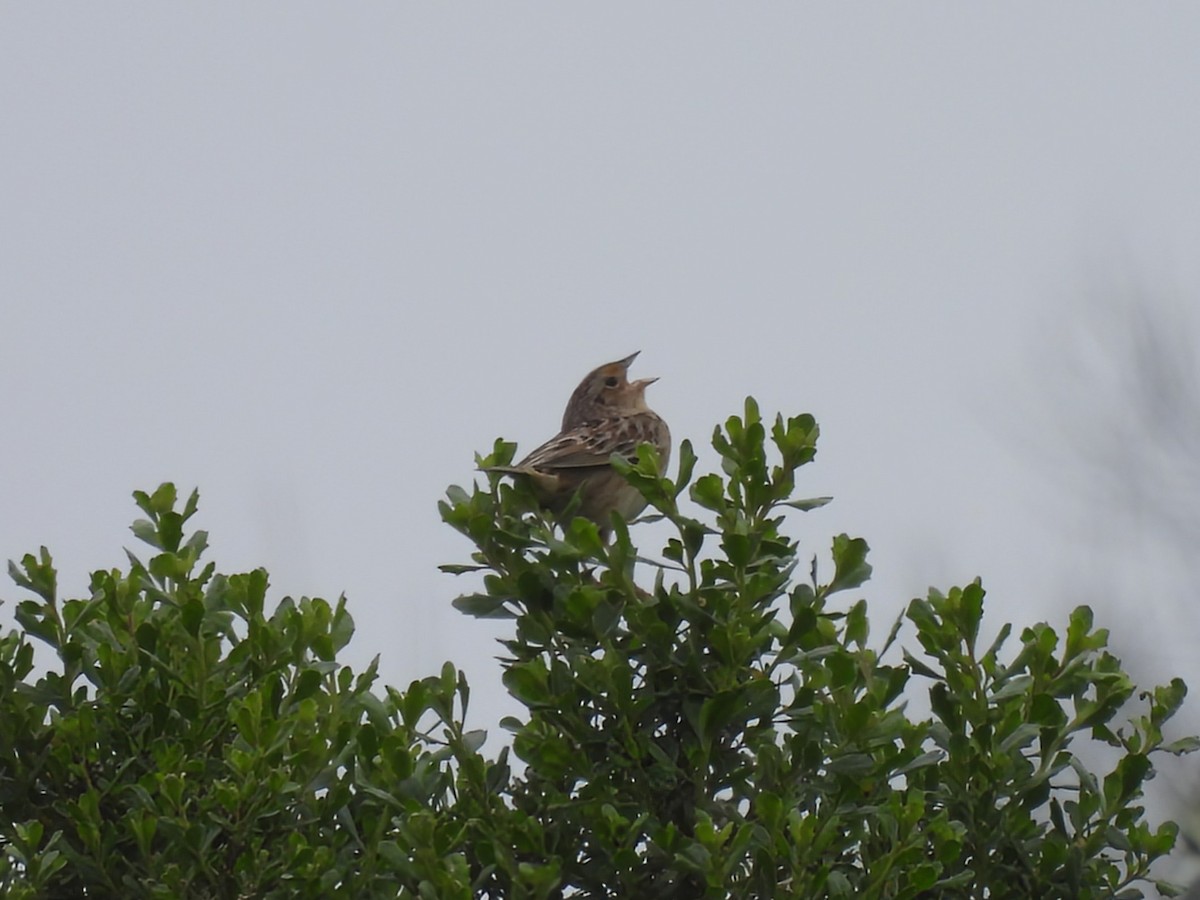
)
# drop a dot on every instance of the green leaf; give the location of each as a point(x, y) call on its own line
point(36, 574)
point(473, 740)
point(851, 568)
point(971, 606)
point(839, 885)
point(857, 627)
point(1126, 782)
point(1021, 737)
point(606, 617)
point(146, 532)
point(1183, 746)
point(918, 667)
point(709, 492)
point(483, 606)
point(192, 614)
point(163, 499)
point(852, 764)
point(924, 876)
point(687, 464)
point(308, 683)
point(717, 712)
point(929, 758)
point(808, 503)
point(1168, 888)
point(527, 682)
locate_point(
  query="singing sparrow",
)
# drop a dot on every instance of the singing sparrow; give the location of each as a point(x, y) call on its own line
point(607, 414)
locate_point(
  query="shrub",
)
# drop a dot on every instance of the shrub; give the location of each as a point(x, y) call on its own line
point(723, 728)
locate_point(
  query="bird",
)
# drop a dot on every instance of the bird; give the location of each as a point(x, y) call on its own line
point(607, 415)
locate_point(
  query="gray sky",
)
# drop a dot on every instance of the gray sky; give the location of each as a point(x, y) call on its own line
point(310, 258)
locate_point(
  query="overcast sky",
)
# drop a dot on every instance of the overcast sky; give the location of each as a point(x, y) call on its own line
point(310, 258)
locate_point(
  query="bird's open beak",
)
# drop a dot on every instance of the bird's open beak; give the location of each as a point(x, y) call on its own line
point(628, 361)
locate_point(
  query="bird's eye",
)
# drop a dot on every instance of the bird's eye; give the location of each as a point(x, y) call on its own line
point(612, 381)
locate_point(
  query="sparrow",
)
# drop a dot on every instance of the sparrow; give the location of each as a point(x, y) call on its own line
point(606, 415)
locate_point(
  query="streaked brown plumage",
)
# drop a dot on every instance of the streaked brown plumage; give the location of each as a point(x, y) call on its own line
point(606, 414)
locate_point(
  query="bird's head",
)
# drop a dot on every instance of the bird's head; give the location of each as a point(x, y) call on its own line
point(604, 391)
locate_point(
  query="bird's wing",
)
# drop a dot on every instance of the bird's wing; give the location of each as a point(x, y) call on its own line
point(588, 446)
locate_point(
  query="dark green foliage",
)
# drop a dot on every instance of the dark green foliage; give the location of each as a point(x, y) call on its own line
point(731, 731)
point(185, 744)
point(701, 725)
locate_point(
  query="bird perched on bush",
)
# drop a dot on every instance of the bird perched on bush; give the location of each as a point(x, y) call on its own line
point(606, 415)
